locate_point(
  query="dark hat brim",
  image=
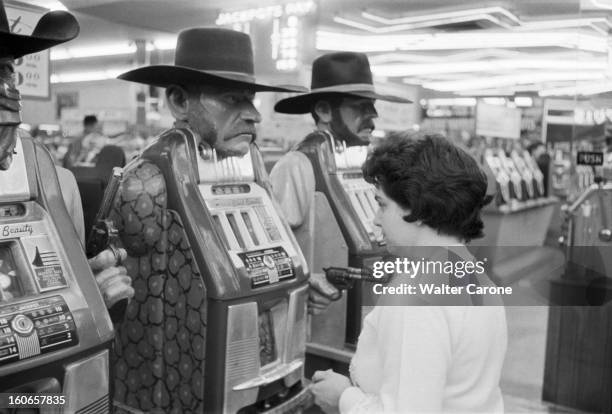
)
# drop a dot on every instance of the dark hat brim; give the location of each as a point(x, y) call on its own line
point(302, 104)
point(166, 75)
point(53, 28)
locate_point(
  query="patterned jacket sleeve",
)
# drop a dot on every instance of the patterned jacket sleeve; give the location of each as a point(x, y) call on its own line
point(293, 184)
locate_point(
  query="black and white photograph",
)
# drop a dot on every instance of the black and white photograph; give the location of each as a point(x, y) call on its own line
point(305, 206)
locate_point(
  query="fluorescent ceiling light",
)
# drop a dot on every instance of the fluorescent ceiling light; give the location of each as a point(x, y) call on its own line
point(602, 4)
point(523, 101)
point(50, 4)
point(474, 83)
point(70, 77)
point(591, 88)
point(449, 102)
point(405, 69)
point(93, 51)
point(461, 40)
point(441, 15)
point(165, 43)
point(420, 25)
point(494, 101)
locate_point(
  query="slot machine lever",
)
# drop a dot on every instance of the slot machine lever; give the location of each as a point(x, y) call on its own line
point(104, 235)
point(345, 277)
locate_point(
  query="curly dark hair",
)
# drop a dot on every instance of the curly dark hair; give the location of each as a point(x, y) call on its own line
point(438, 182)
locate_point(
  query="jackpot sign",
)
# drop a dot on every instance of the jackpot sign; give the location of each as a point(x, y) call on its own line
point(32, 71)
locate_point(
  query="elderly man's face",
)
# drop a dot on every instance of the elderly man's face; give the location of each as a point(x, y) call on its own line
point(9, 112)
point(353, 120)
point(225, 118)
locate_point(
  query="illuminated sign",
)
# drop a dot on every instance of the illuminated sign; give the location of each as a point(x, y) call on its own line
point(590, 158)
point(271, 12)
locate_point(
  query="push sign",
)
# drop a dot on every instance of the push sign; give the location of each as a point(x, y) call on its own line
point(590, 158)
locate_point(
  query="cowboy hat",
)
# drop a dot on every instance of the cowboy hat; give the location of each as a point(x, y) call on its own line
point(345, 73)
point(52, 29)
point(207, 55)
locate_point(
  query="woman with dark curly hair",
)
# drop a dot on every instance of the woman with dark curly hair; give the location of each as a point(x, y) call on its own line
point(433, 357)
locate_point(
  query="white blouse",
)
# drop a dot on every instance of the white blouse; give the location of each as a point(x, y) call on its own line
point(414, 359)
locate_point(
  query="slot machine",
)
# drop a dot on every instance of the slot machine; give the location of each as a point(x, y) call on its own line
point(55, 332)
point(218, 322)
point(516, 180)
point(529, 191)
point(503, 193)
point(538, 176)
point(338, 176)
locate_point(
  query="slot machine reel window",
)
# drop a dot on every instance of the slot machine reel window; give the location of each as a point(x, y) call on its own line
point(10, 284)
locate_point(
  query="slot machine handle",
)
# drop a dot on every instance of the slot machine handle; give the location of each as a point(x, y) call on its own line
point(104, 235)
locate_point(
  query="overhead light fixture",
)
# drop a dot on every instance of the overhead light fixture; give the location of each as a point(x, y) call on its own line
point(590, 88)
point(494, 101)
point(442, 16)
point(51, 5)
point(326, 40)
point(420, 25)
point(93, 51)
point(474, 83)
point(168, 43)
point(523, 101)
point(449, 102)
point(70, 77)
point(428, 69)
point(602, 4)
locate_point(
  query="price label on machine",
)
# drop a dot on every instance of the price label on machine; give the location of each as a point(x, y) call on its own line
point(590, 158)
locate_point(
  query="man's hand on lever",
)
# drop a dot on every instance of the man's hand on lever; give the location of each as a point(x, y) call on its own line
point(113, 280)
point(321, 293)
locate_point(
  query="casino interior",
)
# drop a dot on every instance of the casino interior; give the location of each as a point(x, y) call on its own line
point(219, 321)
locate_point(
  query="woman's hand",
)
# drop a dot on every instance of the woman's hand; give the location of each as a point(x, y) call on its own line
point(327, 388)
point(321, 293)
point(113, 281)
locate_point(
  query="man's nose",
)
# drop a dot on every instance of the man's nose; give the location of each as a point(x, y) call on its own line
point(250, 113)
point(370, 112)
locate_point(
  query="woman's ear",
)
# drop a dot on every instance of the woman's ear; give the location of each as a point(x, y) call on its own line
point(323, 111)
point(178, 102)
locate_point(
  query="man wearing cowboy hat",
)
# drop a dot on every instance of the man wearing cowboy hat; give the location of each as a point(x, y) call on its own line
point(210, 89)
point(341, 101)
point(52, 29)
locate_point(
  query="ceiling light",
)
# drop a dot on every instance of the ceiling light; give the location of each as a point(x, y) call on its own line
point(510, 80)
point(442, 15)
point(523, 101)
point(590, 88)
point(494, 101)
point(405, 69)
point(70, 77)
point(93, 51)
point(412, 26)
point(449, 102)
point(51, 4)
point(461, 40)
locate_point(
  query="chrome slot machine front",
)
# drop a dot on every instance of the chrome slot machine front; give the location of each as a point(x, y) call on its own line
point(265, 324)
point(361, 193)
point(55, 333)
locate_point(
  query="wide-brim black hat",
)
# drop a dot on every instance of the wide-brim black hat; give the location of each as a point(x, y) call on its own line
point(208, 55)
point(52, 29)
point(340, 73)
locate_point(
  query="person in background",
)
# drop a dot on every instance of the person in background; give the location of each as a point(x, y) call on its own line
point(85, 150)
point(341, 102)
point(425, 354)
point(52, 29)
point(542, 158)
